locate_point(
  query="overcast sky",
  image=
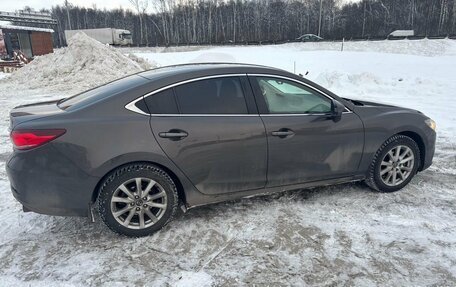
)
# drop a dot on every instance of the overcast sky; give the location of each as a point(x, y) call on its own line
point(12, 5)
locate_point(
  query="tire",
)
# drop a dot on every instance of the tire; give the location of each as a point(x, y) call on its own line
point(121, 206)
point(385, 164)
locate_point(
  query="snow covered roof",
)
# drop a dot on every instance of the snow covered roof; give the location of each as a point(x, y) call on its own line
point(24, 28)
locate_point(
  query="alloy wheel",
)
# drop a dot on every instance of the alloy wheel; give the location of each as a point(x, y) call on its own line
point(138, 203)
point(397, 165)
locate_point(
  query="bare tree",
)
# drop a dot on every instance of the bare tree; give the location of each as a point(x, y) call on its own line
point(67, 6)
point(170, 22)
point(319, 18)
point(140, 7)
point(443, 13)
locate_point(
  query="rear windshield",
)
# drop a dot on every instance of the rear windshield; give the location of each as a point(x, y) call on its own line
point(99, 93)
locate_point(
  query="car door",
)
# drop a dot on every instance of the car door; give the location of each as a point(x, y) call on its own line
point(305, 143)
point(210, 128)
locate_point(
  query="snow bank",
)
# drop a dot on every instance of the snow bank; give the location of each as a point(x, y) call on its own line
point(424, 47)
point(85, 63)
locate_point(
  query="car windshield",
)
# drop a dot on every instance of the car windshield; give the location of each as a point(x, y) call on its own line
point(126, 36)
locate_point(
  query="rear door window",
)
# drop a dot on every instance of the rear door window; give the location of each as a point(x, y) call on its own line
point(212, 96)
point(162, 102)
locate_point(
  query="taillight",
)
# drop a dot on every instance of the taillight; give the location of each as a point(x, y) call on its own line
point(28, 139)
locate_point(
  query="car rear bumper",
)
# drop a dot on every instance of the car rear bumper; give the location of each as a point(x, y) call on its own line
point(48, 184)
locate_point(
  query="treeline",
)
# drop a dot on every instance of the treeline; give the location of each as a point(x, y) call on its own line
point(171, 22)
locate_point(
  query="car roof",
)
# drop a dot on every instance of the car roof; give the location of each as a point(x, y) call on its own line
point(204, 69)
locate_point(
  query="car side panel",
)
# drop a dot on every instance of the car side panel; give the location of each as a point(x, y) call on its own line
point(320, 148)
point(221, 154)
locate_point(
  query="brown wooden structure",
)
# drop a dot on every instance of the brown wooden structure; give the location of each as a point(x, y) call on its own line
point(41, 43)
point(31, 41)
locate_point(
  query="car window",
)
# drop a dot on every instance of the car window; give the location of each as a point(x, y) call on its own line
point(212, 96)
point(162, 102)
point(288, 97)
point(99, 93)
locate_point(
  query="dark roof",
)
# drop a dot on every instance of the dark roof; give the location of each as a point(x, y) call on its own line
point(202, 69)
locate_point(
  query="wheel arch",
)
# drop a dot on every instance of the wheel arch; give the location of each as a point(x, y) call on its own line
point(174, 177)
point(419, 141)
point(374, 146)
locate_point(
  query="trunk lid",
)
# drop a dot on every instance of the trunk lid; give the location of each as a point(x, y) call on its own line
point(24, 113)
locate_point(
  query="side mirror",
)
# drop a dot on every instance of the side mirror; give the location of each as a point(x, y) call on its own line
point(337, 109)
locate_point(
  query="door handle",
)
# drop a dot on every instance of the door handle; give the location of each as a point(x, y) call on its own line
point(283, 133)
point(173, 134)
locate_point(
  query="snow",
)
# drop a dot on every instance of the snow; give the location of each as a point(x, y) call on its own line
point(3, 75)
point(23, 28)
point(69, 67)
point(424, 47)
point(194, 279)
point(342, 234)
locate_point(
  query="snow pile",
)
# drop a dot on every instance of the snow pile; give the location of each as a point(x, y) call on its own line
point(143, 63)
point(336, 79)
point(85, 63)
point(424, 47)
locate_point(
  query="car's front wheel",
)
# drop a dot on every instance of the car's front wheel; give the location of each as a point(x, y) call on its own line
point(137, 200)
point(394, 164)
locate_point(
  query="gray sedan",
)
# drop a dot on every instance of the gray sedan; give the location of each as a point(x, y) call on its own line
point(183, 136)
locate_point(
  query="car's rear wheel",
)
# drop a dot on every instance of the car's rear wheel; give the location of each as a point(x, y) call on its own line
point(137, 200)
point(394, 164)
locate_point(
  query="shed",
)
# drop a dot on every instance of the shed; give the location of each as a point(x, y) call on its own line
point(31, 41)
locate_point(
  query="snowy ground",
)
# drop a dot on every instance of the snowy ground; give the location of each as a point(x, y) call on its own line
point(341, 235)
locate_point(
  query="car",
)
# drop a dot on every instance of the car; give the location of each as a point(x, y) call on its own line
point(402, 33)
point(140, 147)
point(309, 38)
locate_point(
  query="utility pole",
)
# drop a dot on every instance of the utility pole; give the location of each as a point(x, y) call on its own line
point(319, 20)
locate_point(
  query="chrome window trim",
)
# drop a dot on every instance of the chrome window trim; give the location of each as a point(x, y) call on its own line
point(347, 110)
point(132, 107)
point(205, 115)
point(308, 114)
point(295, 115)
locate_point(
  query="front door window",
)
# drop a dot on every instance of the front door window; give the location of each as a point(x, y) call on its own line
point(288, 97)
